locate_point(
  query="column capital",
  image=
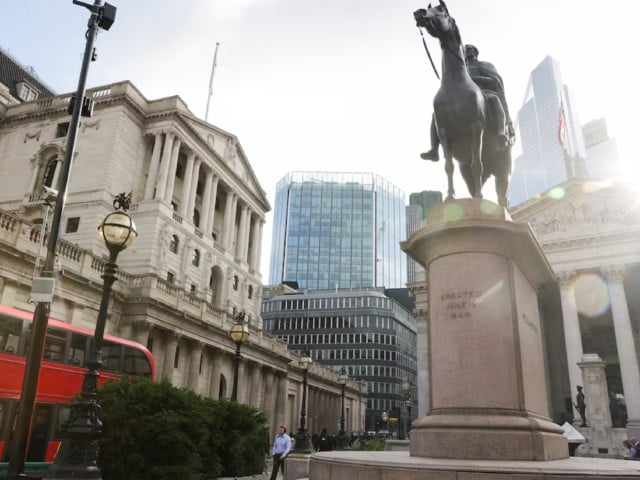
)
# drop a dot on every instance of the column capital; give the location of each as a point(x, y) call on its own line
point(613, 273)
point(142, 326)
point(565, 278)
point(172, 337)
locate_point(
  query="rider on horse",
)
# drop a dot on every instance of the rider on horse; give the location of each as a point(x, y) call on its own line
point(485, 75)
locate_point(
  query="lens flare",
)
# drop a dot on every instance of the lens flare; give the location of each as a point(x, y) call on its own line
point(556, 193)
point(591, 294)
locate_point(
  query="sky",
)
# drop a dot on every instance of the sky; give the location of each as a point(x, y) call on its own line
point(333, 85)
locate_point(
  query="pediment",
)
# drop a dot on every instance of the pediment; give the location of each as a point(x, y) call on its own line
point(229, 152)
point(581, 209)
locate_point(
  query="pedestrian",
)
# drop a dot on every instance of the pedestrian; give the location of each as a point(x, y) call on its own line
point(281, 448)
point(325, 442)
point(632, 446)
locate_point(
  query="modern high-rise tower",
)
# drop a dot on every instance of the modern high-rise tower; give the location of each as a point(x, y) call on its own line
point(545, 161)
point(603, 160)
point(338, 230)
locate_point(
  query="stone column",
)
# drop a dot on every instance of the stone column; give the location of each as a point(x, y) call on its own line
point(254, 396)
point(169, 355)
point(244, 210)
point(258, 246)
point(572, 336)
point(161, 181)
point(216, 370)
point(153, 167)
point(233, 232)
point(171, 176)
point(186, 184)
point(596, 398)
point(194, 366)
point(206, 201)
point(269, 400)
point(420, 290)
point(141, 329)
point(227, 224)
point(255, 246)
point(194, 189)
point(212, 206)
point(281, 402)
point(626, 347)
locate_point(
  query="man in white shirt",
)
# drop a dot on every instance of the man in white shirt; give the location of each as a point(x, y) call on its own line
point(281, 448)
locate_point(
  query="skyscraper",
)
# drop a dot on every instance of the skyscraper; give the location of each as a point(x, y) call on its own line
point(338, 230)
point(602, 151)
point(549, 156)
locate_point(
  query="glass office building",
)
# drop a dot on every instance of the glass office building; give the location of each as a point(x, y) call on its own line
point(336, 230)
point(543, 163)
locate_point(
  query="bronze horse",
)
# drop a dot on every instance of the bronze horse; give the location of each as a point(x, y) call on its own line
point(465, 124)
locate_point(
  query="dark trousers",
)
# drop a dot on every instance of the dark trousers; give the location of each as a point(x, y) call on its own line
point(277, 463)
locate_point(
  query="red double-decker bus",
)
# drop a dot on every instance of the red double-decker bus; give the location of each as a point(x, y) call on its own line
point(61, 375)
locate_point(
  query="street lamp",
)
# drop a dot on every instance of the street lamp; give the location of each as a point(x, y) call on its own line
point(239, 333)
point(342, 435)
point(78, 454)
point(385, 419)
point(102, 16)
point(302, 436)
point(409, 405)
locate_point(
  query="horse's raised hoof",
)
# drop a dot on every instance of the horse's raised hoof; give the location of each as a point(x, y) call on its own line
point(430, 155)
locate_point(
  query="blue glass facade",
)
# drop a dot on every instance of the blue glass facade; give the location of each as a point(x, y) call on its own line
point(338, 230)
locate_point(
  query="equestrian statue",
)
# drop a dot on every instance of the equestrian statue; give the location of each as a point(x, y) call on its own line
point(471, 119)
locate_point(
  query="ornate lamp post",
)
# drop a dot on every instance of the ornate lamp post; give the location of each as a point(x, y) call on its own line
point(342, 435)
point(385, 419)
point(409, 405)
point(302, 436)
point(239, 333)
point(78, 455)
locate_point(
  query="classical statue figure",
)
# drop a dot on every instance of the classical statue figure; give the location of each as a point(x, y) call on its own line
point(471, 118)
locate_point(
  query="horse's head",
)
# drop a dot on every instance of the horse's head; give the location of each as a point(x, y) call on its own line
point(435, 20)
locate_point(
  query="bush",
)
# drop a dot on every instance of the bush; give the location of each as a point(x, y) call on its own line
point(157, 432)
point(372, 444)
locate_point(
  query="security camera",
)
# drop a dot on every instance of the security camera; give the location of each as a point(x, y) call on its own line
point(49, 194)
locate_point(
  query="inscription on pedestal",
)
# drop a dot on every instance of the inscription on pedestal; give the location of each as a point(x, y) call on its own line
point(459, 305)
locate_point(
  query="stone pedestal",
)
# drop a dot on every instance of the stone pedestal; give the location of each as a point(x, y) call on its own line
point(297, 466)
point(594, 381)
point(488, 395)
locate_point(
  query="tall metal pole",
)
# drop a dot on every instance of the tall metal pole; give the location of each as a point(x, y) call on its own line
point(234, 392)
point(20, 438)
point(213, 71)
point(302, 436)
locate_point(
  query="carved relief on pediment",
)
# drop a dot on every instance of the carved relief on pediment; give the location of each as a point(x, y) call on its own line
point(576, 213)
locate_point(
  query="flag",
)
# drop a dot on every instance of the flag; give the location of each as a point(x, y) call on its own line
point(562, 127)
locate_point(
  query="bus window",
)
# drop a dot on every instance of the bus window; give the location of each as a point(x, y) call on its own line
point(136, 363)
point(54, 345)
point(61, 421)
point(39, 433)
point(111, 356)
point(77, 349)
point(9, 334)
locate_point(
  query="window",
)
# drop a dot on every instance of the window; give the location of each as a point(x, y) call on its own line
point(193, 288)
point(250, 292)
point(49, 172)
point(72, 224)
point(195, 259)
point(176, 358)
point(173, 245)
point(170, 277)
point(62, 129)
point(196, 217)
point(26, 92)
point(235, 282)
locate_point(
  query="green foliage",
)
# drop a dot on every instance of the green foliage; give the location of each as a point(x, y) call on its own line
point(157, 432)
point(372, 444)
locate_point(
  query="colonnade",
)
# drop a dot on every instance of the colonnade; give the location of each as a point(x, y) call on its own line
point(623, 335)
point(241, 228)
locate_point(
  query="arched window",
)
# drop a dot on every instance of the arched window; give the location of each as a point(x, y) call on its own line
point(50, 172)
point(195, 260)
point(173, 245)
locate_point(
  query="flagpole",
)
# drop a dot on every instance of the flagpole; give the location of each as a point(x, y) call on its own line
point(213, 71)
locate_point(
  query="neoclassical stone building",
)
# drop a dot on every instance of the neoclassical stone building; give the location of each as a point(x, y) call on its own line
point(590, 233)
point(199, 210)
